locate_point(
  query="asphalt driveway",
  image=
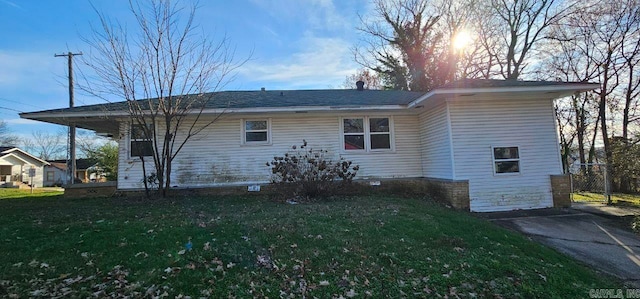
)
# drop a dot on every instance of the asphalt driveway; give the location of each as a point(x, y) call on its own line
point(592, 239)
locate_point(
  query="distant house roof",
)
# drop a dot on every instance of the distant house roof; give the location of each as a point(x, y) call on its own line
point(5, 148)
point(59, 165)
point(8, 150)
point(81, 164)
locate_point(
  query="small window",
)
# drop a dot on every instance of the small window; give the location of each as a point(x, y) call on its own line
point(256, 131)
point(140, 144)
point(367, 133)
point(353, 133)
point(50, 175)
point(506, 159)
point(380, 134)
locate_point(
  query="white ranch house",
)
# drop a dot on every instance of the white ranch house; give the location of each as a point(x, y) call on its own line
point(493, 144)
point(19, 169)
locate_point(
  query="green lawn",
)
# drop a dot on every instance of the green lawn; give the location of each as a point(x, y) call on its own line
point(7, 193)
point(254, 247)
point(615, 198)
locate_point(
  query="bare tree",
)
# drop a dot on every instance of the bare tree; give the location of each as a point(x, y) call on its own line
point(163, 71)
point(406, 46)
point(46, 145)
point(89, 142)
point(569, 57)
point(608, 27)
point(630, 53)
point(6, 138)
point(511, 29)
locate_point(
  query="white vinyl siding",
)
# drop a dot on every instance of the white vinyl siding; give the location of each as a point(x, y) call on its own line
point(479, 125)
point(435, 143)
point(217, 157)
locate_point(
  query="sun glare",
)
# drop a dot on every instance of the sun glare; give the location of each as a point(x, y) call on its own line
point(462, 40)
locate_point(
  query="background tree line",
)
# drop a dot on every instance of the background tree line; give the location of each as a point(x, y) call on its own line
point(415, 45)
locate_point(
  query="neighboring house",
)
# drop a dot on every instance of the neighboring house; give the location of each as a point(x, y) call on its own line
point(493, 143)
point(15, 168)
point(56, 173)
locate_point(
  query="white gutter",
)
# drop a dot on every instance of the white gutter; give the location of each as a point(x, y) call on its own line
point(106, 114)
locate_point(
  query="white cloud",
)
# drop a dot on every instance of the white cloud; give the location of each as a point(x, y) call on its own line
point(319, 14)
point(321, 62)
point(22, 121)
point(12, 4)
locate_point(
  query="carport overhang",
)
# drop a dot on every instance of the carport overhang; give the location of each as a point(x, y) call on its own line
point(102, 124)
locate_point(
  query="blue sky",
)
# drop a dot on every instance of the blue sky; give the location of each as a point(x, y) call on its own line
point(295, 44)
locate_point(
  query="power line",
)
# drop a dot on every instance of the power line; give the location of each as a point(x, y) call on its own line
point(19, 103)
point(10, 109)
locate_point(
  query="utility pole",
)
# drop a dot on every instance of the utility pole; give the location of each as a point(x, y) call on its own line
point(72, 126)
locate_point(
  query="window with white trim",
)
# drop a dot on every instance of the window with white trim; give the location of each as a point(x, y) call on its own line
point(256, 131)
point(366, 133)
point(506, 160)
point(140, 145)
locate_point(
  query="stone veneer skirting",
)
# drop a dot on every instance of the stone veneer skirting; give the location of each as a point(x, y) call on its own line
point(83, 190)
point(456, 192)
point(561, 189)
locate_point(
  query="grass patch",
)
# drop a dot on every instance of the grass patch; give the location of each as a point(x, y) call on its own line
point(7, 193)
point(617, 198)
point(253, 247)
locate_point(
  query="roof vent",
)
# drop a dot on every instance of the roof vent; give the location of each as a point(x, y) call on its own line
point(262, 89)
point(360, 85)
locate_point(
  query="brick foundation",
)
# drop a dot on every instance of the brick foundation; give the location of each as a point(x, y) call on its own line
point(456, 192)
point(105, 189)
point(561, 189)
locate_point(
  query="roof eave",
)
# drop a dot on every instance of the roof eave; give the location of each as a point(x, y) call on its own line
point(556, 91)
point(44, 116)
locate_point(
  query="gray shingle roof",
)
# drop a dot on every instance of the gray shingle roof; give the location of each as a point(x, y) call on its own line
point(281, 98)
point(333, 98)
point(80, 163)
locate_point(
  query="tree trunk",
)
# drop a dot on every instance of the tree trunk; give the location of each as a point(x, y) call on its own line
point(580, 129)
point(627, 103)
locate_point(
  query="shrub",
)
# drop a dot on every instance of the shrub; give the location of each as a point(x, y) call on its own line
point(308, 173)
